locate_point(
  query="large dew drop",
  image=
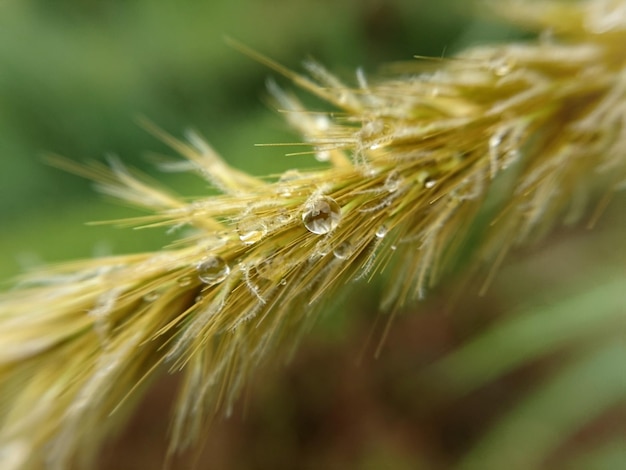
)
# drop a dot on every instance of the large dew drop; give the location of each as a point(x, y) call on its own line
point(321, 215)
point(213, 270)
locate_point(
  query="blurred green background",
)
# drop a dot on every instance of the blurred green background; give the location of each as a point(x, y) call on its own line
point(75, 75)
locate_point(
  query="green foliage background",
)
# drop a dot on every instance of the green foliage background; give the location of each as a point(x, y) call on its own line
point(74, 75)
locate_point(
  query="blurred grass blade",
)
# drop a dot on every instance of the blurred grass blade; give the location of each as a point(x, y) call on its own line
point(525, 437)
point(609, 455)
point(530, 335)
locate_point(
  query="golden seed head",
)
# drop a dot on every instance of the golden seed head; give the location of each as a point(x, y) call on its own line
point(536, 128)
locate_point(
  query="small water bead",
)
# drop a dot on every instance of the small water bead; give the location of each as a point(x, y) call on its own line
point(214, 241)
point(426, 180)
point(184, 281)
point(321, 215)
point(322, 123)
point(392, 182)
point(501, 65)
point(151, 296)
point(430, 182)
point(290, 175)
point(322, 155)
point(213, 270)
point(372, 129)
point(343, 250)
point(343, 98)
point(322, 248)
point(267, 268)
point(281, 220)
point(251, 231)
point(285, 189)
point(382, 231)
point(504, 147)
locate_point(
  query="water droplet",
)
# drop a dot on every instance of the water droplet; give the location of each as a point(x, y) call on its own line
point(426, 180)
point(151, 296)
point(382, 231)
point(361, 78)
point(322, 123)
point(322, 156)
point(429, 182)
point(322, 248)
point(285, 188)
point(289, 175)
point(214, 241)
point(392, 182)
point(281, 219)
point(251, 231)
point(213, 270)
point(184, 281)
point(265, 268)
point(321, 215)
point(504, 147)
point(343, 250)
point(372, 129)
point(502, 66)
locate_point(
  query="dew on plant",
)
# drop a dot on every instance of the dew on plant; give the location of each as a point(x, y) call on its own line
point(264, 268)
point(251, 231)
point(105, 304)
point(281, 219)
point(382, 231)
point(322, 248)
point(321, 215)
point(372, 129)
point(429, 182)
point(322, 123)
point(393, 181)
point(286, 178)
point(290, 175)
point(343, 250)
point(426, 180)
point(501, 66)
point(503, 148)
point(213, 270)
point(184, 281)
point(322, 155)
point(151, 296)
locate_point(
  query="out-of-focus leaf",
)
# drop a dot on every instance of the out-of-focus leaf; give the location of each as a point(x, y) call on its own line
point(611, 455)
point(559, 407)
point(530, 335)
